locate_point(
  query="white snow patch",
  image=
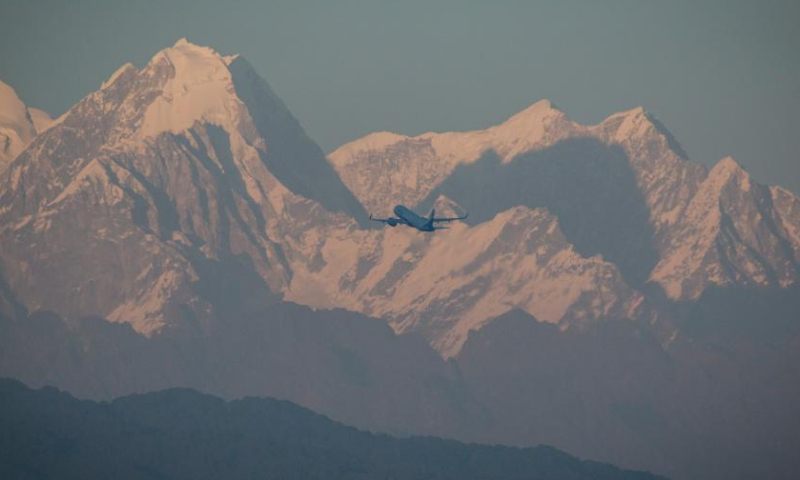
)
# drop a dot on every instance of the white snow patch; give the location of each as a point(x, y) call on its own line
point(377, 141)
point(201, 90)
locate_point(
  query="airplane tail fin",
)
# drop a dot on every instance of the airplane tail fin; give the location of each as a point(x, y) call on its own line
point(432, 215)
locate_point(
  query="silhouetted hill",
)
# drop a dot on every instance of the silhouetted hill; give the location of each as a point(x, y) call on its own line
point(182, 434)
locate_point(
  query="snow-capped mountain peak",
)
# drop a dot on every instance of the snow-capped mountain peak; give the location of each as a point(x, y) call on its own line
point(190, 159)
point(18, 124)
point(733, 232)
point(622, 126)
point(726, 167)
point(531, 117)
point(726, 171)
point(200, 88)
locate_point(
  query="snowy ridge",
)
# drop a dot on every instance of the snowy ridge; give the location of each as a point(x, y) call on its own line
point(374, 142)
point(423, 284)
point(537, 126)
point(385, 165)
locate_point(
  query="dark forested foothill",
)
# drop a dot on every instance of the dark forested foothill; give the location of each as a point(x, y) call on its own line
point(181, 434)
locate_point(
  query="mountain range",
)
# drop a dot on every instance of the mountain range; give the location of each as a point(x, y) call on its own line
point(607, 295)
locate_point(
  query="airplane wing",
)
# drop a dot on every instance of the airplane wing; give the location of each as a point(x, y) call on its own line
point(391, 221)
point(450, 219)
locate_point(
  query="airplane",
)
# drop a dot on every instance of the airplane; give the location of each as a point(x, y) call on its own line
point(406, 217)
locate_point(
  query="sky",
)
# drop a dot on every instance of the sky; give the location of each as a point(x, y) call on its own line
point(723, 76)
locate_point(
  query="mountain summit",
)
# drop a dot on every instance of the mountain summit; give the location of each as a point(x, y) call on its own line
point(135, 200)
point(200, 89)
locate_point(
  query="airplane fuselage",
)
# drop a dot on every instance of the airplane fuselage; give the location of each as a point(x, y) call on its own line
point(412, 219)
point(405, 216)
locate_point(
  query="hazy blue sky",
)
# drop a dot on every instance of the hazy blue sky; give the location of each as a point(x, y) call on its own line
point(723, 76)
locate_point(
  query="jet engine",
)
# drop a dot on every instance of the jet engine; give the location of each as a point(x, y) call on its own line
point(392, 223)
